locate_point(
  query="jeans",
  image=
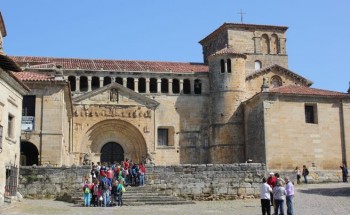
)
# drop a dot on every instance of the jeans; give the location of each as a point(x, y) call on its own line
point(86, 199)
point(279, 204)
point(289, 201)
point(120, 199)
point(142, 180)
point(305, 179)
point(265, 206)
point(105, 196)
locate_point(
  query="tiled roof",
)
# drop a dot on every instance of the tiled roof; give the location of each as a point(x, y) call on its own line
point(226, 26)
point(112, 65)
point(33, 76)
point(278, 67)
point(7, 63)
point(301, 90)
point(228, 51)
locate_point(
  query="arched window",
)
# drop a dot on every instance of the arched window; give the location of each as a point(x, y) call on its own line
point(222, 65)
point(265, 44)
point(274, 44)
point(130, 83)
point(72, 82)
point(153, 85)
point(142, 85)
point(197, 86)
point(95, 83)
point(187, 86)
point(276, 81)
point(257, 65)
point(176, 86)
point(83, 83)
point(119, 80)
point(229, 65)
point(107, 80)
point(164, 85)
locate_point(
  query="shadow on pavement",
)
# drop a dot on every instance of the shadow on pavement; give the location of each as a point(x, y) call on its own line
point(344, 191)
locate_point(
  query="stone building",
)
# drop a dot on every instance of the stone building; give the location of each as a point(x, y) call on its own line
point(11, 95)
point(241, 103)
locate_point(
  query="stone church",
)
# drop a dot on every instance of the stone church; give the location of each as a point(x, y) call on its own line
point(241, 103)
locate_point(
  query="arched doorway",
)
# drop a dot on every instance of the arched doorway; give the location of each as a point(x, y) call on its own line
point(29, 154)
point(111, 152)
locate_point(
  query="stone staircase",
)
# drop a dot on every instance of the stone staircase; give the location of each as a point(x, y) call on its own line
point(134, 196)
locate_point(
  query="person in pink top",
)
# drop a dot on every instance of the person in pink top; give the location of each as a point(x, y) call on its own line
point(142, 172)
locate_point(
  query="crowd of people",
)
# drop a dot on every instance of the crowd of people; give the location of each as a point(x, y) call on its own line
point(106, 185)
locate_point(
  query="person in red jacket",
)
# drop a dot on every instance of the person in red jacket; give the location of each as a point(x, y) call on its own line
point(272, 180)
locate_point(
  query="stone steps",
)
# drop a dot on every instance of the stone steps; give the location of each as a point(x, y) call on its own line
point(136, 196)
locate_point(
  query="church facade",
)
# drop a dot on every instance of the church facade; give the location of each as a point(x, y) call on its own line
point(241, 103)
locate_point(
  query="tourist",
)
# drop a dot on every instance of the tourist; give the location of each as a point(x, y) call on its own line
point(297, 171)
point(94, 199)
point(114, 192)
point(278, 178)
point(265, 195)
point(105, 186)
point(289, 196)
point(94, 172)
point(305, 173)
point(120, 191)
point(344, 171)
point(279, 194)
point(142, 171)
point(87, 191)
point(271, 180)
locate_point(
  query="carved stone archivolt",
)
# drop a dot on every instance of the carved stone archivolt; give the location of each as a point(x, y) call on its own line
point(111, 111)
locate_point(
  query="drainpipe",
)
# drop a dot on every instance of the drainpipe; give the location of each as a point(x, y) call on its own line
point(342, 138)
point(41, 129)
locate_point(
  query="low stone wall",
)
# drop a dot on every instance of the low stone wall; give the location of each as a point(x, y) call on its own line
point(50, 182)
point(207, 181)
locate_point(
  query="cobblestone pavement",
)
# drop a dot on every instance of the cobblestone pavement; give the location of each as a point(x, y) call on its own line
point(313, 199)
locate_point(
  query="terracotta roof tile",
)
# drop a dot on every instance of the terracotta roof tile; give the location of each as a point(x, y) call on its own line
point(229, 51)
point(33, 76)
point(301, 90)
point(113, 65)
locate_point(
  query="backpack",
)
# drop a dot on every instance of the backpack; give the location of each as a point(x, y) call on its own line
point(104, 185)
point(86, 190)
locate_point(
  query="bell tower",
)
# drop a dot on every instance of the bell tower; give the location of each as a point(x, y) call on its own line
point(227, 90)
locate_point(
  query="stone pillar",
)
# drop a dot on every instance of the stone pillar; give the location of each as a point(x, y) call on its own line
point(112, 79)
point(101, 82)
point(147, 85)
point(77, 84)
point(192, 85)
point(257, 46)
point(136, 85)
point(89, 78)
point(181, 86)
point(282, 46)
point(159, 85)
point(125, 82)
point(170, 86)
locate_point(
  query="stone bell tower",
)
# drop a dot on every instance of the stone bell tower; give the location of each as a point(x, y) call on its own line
point(227, 90)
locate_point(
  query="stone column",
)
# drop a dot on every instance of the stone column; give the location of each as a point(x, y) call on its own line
point(147, 85)
point(170, 86)
point(282, 46)
point(89, 78)
point(77, 84)
point(159, 85)
point(101, 82)
point(112, 79)
point(191, 86)
point(125, 82)
point(136, 85)
point(181, 86)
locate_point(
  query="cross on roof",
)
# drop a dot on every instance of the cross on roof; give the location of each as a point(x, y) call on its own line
point(241, 13)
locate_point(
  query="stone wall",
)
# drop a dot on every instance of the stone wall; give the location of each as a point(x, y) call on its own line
point(49, 182)
point(207, 181)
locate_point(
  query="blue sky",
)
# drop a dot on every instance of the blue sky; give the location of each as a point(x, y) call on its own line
point(159, 30)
